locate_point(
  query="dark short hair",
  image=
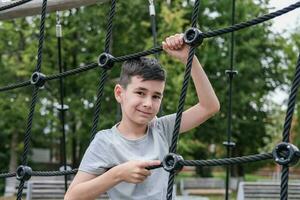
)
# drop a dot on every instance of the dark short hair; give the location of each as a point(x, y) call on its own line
point(147, 68)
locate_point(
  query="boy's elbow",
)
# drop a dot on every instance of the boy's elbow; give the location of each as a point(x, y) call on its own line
point(215, 108)
point(69, 195)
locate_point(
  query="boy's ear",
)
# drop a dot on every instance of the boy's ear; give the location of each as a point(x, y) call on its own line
point(118, 93)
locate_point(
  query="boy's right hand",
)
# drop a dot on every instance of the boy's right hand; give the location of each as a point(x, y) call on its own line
point(135, 171)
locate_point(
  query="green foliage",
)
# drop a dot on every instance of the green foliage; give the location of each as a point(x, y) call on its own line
point(257, 58)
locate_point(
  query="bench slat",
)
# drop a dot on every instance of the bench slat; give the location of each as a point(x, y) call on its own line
point(266, 190)
point(46, 190)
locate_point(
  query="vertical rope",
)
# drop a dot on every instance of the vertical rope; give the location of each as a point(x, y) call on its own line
point(27, 136)
point(229, 116)
point(287, 127)
point(20, 190)
point(62, 94)
point(180, 108)
point(104, 72)
point(42, 36)
point(153, 25)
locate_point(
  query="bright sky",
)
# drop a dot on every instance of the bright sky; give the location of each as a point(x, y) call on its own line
point(287, 21)
point(284, 24)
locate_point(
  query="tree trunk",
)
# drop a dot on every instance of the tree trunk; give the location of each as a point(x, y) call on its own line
point(10, 183)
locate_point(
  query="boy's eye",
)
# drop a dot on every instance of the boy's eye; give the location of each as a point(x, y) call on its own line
point(140, 93)
point(157, 97)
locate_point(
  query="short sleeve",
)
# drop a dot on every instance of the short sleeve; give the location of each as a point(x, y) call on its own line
point(165, 125)
point(96, 158)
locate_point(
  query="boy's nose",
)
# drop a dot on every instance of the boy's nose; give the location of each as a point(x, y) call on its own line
point(147, 102)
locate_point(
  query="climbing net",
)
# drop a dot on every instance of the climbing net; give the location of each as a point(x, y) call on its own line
point(284, 153)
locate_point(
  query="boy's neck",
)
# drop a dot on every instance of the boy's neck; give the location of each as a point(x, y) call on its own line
point(132, 131)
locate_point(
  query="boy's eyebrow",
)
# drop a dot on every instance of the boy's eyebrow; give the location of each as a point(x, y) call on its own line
point(145, 89)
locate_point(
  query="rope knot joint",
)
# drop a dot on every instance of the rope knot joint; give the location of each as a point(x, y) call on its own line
point(105, 61)
point(38, 79)
point(172, 162)
point(193, 37)
point(23, 173)
point(286, 154)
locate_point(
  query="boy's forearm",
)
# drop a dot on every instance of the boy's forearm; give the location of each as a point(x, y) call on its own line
point(94, 188)
point(205, 92)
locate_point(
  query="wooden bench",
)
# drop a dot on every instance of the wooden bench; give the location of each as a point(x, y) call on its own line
point(202, 186)
point(49, 189)
point(266, 190)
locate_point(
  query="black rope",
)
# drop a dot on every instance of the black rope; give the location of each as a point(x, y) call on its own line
point(41, 37)
point(229, 115)
point(34, 100)
point(138, 54)
point(72, 71)
point(62, 94)
point(252, 22)
point(228, 161)
point(153, 25)
point(291, 103)
point(287, 127)
point(20, 190)
point(104, 72)
point(7, 175)
point(214, 162)
point(98, 103)
point(54, 173)
point(14, 4)
point(14, 86)
point(158, 49)
point(183, 93)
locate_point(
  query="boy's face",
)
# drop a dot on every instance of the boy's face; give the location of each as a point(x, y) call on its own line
point(141, 100)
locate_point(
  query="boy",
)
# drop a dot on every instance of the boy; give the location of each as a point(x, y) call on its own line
point(116, 160)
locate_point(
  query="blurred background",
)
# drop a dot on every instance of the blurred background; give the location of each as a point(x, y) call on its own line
point(265, 57)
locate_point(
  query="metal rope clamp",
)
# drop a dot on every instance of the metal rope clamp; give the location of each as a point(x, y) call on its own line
point(38, 79)
point(172, 162)
point(23, 173)
point(286, 154)
point(105, 61)
point(193, 37)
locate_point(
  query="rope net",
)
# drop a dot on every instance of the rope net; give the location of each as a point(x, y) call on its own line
point(23, 173)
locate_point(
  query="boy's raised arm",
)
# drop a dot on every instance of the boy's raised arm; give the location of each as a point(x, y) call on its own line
point(208, 102)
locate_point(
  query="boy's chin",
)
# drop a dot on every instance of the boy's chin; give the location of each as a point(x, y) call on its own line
point(144, 121)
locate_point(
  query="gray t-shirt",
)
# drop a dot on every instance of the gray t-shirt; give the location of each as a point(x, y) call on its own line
point(109, 148)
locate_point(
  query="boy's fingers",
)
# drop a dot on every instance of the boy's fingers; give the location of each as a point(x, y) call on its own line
point(169, 44)
point(150, 163)
point(145, 172)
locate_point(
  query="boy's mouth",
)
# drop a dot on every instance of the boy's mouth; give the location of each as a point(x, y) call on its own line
point(145, 113)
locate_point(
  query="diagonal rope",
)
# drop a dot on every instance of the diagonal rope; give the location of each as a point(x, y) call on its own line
point(14, 4)
point(20, 190)
point(7, 175)
point(180, 108)
point(104, 74)
point(42, 36)
point(72, 71)
point(14, 86)
point(252, 22)
point(287, 128)
point(209, 34)
point(33, 100)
